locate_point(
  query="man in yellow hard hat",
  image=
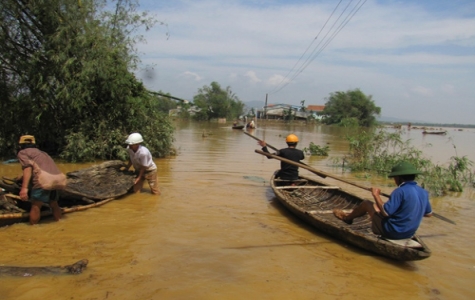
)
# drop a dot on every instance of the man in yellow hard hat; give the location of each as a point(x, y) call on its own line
point(287, 171)
point(40, 178)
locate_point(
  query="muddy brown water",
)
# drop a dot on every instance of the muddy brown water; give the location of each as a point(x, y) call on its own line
point(217, 232)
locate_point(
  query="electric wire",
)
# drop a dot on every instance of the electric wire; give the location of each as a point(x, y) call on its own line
point(317, 49)
point(340, 27)
point(306, 50)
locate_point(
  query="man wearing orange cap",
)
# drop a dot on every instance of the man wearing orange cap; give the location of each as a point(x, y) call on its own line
point(40, 178)
point(287, 171)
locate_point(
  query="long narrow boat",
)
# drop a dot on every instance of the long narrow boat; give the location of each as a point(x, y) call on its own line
point(313, 201)
point(434, 132)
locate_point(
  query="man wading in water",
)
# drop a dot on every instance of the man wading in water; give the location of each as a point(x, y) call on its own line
point(141, 158)
point(40, 179)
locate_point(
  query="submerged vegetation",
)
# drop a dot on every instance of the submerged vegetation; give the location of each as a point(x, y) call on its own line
point(316, 150)
point(377, 150)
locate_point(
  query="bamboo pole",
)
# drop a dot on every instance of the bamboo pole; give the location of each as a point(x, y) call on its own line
point(63, 210)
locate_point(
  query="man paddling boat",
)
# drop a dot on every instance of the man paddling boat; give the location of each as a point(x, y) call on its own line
point(287, 171)
point(401, 215)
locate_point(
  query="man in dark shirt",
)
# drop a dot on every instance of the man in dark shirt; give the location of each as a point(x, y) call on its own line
point(287, 171)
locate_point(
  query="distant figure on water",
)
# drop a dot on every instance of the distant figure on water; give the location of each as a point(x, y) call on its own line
point(144, 167)
point(251, 125)
point(400, 217)
point(287, 171)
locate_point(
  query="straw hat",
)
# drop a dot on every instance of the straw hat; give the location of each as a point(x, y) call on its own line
point(27, 139)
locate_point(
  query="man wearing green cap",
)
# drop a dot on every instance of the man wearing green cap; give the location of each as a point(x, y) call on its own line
point(401, 215)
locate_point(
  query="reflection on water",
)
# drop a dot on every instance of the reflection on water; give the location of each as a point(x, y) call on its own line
point(217, 232)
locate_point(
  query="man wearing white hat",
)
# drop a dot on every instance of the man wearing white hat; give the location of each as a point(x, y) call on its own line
point(141, 158)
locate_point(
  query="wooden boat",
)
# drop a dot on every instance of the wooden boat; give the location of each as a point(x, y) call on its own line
point(313, 201)
point(86, 188)
point(238, 126)
point(434, 132)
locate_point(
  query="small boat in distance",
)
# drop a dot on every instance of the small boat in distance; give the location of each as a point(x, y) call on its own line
point(237, 127)
point(434, 132)
point(313, 201)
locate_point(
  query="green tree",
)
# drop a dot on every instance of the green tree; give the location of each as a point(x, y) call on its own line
point(215, 102)
point(289, 114)
point(164, 103)
point(66, 77)
point(302, 106)
point(351, 104)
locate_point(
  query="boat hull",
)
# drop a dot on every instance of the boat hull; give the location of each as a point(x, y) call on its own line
point(313, 201)
point(435, 132)
point(86, 188)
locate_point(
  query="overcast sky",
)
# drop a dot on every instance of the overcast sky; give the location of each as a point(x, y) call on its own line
point(415, 58)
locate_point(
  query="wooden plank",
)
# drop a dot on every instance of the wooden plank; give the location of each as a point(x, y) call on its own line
point(323, 187)
point(328, 211)
point(296, 181)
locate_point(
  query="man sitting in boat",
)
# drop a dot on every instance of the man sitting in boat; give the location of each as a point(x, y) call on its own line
point(287, 171)
point(400, 217)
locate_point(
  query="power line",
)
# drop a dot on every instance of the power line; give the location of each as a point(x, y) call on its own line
point(340, 27)
point(316, 51)
point(316, 37)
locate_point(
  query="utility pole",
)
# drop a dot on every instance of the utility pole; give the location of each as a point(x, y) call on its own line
point(265, 109)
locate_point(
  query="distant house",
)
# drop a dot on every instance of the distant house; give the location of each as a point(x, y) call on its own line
point(315, 111)
point(192, 110)
point(316, 108)
point(278, 111)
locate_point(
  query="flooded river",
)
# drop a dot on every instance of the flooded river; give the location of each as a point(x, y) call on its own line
point(217, 232)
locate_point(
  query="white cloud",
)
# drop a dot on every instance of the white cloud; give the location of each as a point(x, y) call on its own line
point(276, 80)
point(422, 91)
point(253, 79)
point(194, 76)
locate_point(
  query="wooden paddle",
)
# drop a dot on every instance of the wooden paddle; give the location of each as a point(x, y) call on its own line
point(319, 173)
point(323, 174)
point(272, 147)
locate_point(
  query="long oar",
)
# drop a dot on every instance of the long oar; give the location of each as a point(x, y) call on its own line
point(323, 174)
point(319, 173)
point(270, 146)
